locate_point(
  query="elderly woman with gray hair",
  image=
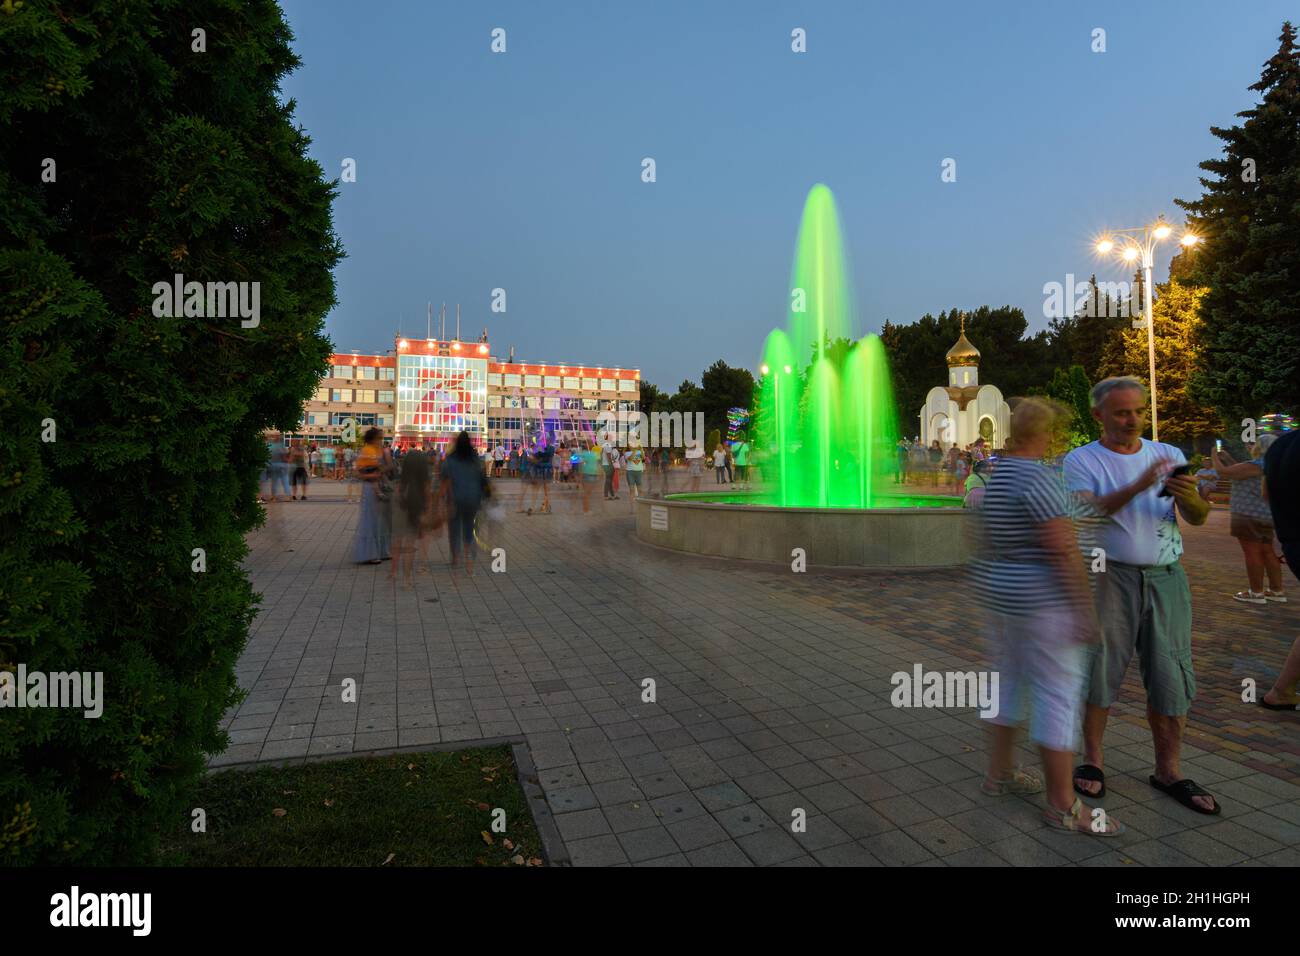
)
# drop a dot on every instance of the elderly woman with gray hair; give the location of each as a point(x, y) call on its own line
point(1251, 523)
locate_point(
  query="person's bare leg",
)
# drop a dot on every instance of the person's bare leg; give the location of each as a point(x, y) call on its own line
point(1272, 565)
point(1057, 769)
point(1254, 566)
point(1004, 739)
point(1284, 688)
point(1167, 735)
point(1094, 729)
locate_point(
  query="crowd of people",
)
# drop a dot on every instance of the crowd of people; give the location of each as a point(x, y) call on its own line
point(931, 464)
point(1063, 632)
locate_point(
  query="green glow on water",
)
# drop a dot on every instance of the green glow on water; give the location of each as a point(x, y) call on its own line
point(881, 501)
point(831, 432)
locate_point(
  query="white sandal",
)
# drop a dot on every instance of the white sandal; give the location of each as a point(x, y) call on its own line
point(1250, 597)
point(1073, 821)
point(1019, 780)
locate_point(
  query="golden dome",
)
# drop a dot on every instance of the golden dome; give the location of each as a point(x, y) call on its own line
point(963, 353)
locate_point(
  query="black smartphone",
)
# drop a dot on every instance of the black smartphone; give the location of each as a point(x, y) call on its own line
point(1180, 470)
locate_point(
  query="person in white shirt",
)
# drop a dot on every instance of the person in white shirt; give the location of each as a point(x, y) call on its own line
point(720, 463)
point(1130, 498)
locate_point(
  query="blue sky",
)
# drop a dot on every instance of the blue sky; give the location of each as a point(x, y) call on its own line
point(522, 170)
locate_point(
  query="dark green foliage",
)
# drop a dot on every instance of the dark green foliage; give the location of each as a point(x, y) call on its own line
point(1072, 389)
point(1015, 364)
point(168, 160)
point(724, 388)
point(1249, 215)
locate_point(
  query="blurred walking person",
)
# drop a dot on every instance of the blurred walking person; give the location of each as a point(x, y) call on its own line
point(464, 484)
point(374, 468)
point(412, 504)
point(1032, 579)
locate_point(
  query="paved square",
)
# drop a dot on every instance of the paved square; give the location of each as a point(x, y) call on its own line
point(772, 697)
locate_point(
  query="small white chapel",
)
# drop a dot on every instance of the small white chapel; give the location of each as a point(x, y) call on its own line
point(964, 410)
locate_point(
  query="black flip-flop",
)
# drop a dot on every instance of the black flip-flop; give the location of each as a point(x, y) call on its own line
point(1263, 703)
point(1184, 790)
point(1087, 771)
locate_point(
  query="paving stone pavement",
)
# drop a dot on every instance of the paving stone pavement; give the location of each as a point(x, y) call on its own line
point(771, 696)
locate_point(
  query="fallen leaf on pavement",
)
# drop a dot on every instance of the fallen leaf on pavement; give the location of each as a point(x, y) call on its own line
point(388, 860)
point(517, 860)
point(487, 837)
point(279, 812)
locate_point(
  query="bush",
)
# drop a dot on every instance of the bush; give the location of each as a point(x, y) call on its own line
point(166, 160)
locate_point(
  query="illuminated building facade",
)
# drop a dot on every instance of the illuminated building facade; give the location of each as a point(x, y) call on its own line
point(424, 392)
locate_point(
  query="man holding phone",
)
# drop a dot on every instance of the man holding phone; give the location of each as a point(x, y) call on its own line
point(1132, 490)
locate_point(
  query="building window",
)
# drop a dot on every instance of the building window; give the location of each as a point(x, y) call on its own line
point(609, 384)
point(590, 384)
point(365, 395)
point(386, 396)
point(494, 378)
point(532, 381)
point(512, 381)
point(626, 385)
point(494, 401)
point(322, 394)
point(551, 381)
point(572, 383)
point(590, 404)
point(551, 402)
point(571, 403)
point(388, 373)
point(365, 371)
point(343, 371)
point(340, 395)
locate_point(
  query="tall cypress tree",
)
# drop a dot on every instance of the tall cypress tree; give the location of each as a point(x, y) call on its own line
point(137, 141)
point(1249, 215)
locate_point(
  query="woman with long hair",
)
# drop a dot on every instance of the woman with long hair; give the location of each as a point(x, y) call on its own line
point(464, 484)
point(373, 468)
point(411, 505)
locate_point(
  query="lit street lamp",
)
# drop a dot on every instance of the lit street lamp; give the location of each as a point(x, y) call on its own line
point(1141, 244)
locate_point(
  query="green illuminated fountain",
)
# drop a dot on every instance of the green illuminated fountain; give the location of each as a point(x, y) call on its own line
point(825, 414)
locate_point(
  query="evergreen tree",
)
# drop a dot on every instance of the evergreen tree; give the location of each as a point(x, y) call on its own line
point(133, 149)
point(1072, 389)
point(1178, 336)
point(1249, 215)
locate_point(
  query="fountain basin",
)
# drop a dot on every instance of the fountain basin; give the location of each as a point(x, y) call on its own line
point(931, 534)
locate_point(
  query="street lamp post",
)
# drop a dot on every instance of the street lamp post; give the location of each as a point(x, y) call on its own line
point(1141, 244)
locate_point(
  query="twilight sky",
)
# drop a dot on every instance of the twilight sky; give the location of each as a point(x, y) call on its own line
point(522, 170)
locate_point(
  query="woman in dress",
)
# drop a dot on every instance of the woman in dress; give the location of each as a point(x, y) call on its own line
point(374, 467)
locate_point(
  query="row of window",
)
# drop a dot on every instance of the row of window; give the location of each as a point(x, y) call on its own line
point(340, 418)
point(499, 379)
point(570, 382)
point(357, 372)
point(384, 395)
point(559, 403)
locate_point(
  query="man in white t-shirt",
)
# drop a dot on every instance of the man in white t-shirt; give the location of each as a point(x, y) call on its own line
point(1130, 500)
